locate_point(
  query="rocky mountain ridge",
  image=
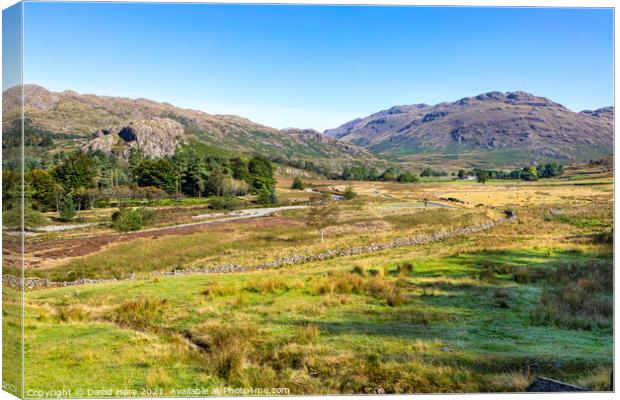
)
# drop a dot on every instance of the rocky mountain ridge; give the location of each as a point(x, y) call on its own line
point(516, 122)
point(87, 116)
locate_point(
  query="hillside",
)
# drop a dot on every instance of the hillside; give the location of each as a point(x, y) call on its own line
point(502, 128)
point(89, 121)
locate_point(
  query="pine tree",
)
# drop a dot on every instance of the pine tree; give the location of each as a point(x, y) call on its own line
point(67, 208)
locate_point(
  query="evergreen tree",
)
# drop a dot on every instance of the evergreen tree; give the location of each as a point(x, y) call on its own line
point(67, 208)
point(262, 175)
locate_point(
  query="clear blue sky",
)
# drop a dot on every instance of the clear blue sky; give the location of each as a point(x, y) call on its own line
point(318, 66)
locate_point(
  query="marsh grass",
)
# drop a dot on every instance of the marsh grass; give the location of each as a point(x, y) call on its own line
point(307, 333)
point(266, 285)
point(577, 297)
point(227, 344)
point(217, 289)
point(72, 313)
point(139, 313)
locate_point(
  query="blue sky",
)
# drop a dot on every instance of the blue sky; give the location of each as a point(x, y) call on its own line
point(317, 66)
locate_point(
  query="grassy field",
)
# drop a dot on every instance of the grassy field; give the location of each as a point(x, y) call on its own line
point(483, 312)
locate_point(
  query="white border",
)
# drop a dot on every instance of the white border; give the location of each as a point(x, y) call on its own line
point(482, 3)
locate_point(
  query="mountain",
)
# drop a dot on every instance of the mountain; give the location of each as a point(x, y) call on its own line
point(505, 128)
point(117, 124)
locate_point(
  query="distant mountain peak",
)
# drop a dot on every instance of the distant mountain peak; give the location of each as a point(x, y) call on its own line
point(517, 123)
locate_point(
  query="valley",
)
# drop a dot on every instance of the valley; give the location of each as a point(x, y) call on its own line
point(169, 251)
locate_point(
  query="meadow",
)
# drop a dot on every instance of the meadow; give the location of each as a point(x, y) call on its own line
point(485, 312)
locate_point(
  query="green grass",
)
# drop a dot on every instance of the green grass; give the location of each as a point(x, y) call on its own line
point(316, 331)
point(250, 243)
point(463, 315)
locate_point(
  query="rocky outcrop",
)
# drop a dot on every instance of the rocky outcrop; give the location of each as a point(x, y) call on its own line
point(38, 283)
point(541, 384)
point(157, 137)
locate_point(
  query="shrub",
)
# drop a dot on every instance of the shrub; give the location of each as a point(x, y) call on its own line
point(298, 184)
point(266, 196)
point(226, 203)
point(357, 270)
point(349, 193)
point(408, 177)
point(139, 313)
point(374, 272)
point(12, 218)
point(127, 220)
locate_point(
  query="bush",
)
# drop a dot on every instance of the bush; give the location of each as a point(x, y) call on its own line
point(298, 184)
point(226, 203)
point(266, 196)
point(408, 177)
point(128, 220)
point(349, 193)
point(12, 218)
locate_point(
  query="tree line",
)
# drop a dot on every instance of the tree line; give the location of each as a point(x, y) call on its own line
point(76, 181)
point(531, 173)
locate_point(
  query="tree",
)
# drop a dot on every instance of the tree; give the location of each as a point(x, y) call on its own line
point(239, 170)
point(67, 208)
point(160, 173)
point(529, 174)
point(234, 187)
point(298, 184)
point(266, 196)
point(388, 175)
point(76, 170)
point(461, 174)
point(214, 184)
point(482, 177)
point(120, 193)
point(426, 172)
point(44, 188)
point(261, 173)
point(322, 216)
point(407, 177)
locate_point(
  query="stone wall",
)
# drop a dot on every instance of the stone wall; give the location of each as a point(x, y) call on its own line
point(31, 283)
